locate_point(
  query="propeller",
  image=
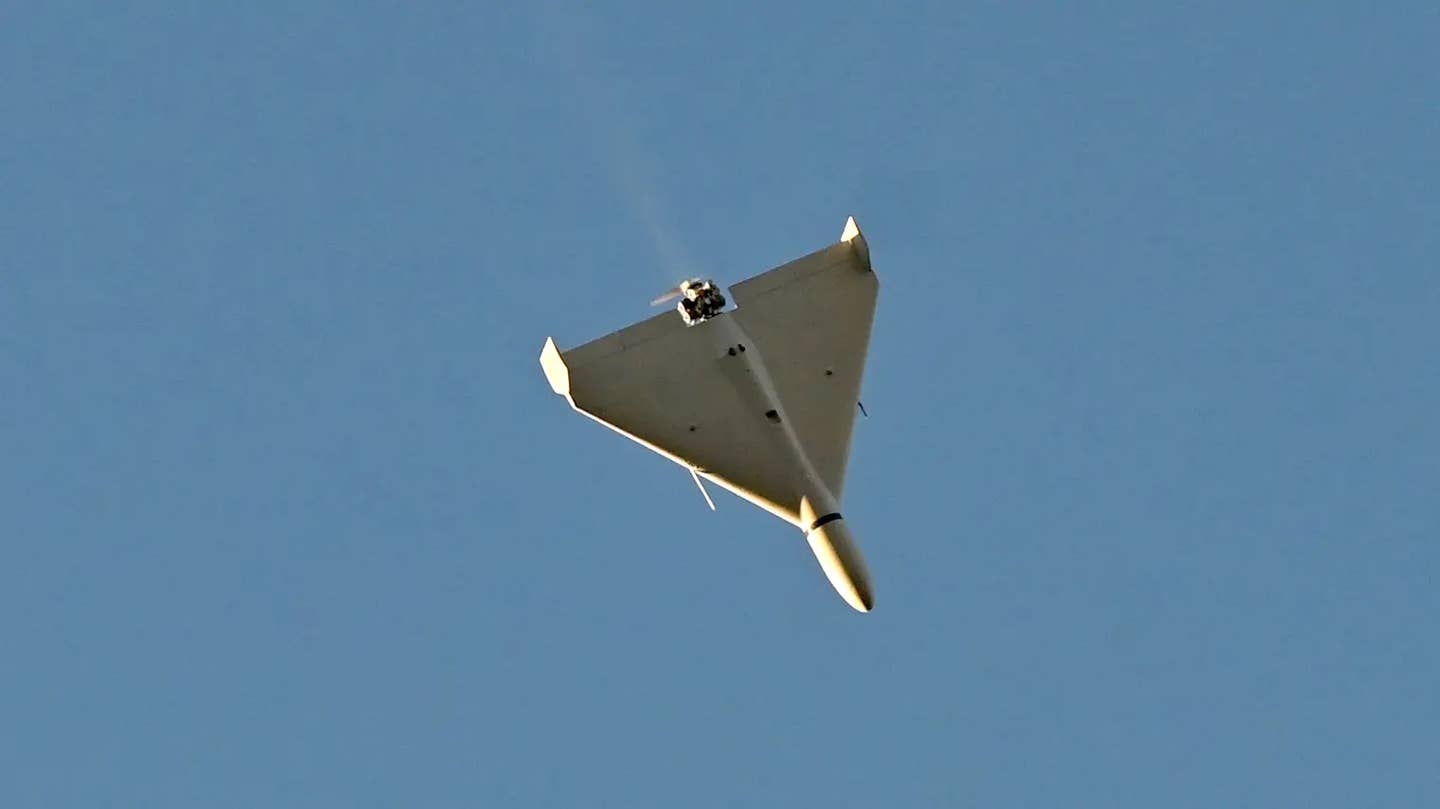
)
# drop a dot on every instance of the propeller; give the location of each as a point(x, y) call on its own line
point(669, 295)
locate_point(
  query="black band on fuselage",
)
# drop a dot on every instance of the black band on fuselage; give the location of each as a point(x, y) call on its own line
point(828, 518)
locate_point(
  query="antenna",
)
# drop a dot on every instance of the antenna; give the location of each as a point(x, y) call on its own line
point(703, 493)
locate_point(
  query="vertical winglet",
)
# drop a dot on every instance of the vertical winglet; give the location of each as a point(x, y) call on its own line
point(555, 369)
point(856, 239)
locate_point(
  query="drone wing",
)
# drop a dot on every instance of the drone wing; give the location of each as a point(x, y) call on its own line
point(674, 389)
point(687, 394)
point(813, 318)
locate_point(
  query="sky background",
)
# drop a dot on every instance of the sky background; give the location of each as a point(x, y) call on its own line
point(290, 517)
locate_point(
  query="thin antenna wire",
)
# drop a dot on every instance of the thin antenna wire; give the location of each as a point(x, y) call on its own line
point(703, 493)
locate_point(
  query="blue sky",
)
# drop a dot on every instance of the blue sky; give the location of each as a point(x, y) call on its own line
point(291, 518)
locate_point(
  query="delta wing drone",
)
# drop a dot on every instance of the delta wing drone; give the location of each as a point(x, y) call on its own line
point(759, 399)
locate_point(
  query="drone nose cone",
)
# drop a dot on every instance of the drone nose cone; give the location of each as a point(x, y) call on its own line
point(839, 557)
point(858, 595)
point(858, 598)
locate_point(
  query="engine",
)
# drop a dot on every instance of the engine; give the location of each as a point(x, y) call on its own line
point(699, 301)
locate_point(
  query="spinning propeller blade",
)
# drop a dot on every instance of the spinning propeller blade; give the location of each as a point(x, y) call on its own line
point(668, 296)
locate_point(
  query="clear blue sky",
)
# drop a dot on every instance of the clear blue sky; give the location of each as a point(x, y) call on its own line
point(291, 518)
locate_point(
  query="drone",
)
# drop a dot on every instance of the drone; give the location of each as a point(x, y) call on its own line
point(759, 399)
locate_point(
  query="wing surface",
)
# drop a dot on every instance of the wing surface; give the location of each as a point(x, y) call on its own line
point(813, 318)
point(684, 393)
point(677, 391)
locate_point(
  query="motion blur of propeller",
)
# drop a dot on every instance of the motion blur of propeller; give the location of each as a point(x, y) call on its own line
point(670, 295)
